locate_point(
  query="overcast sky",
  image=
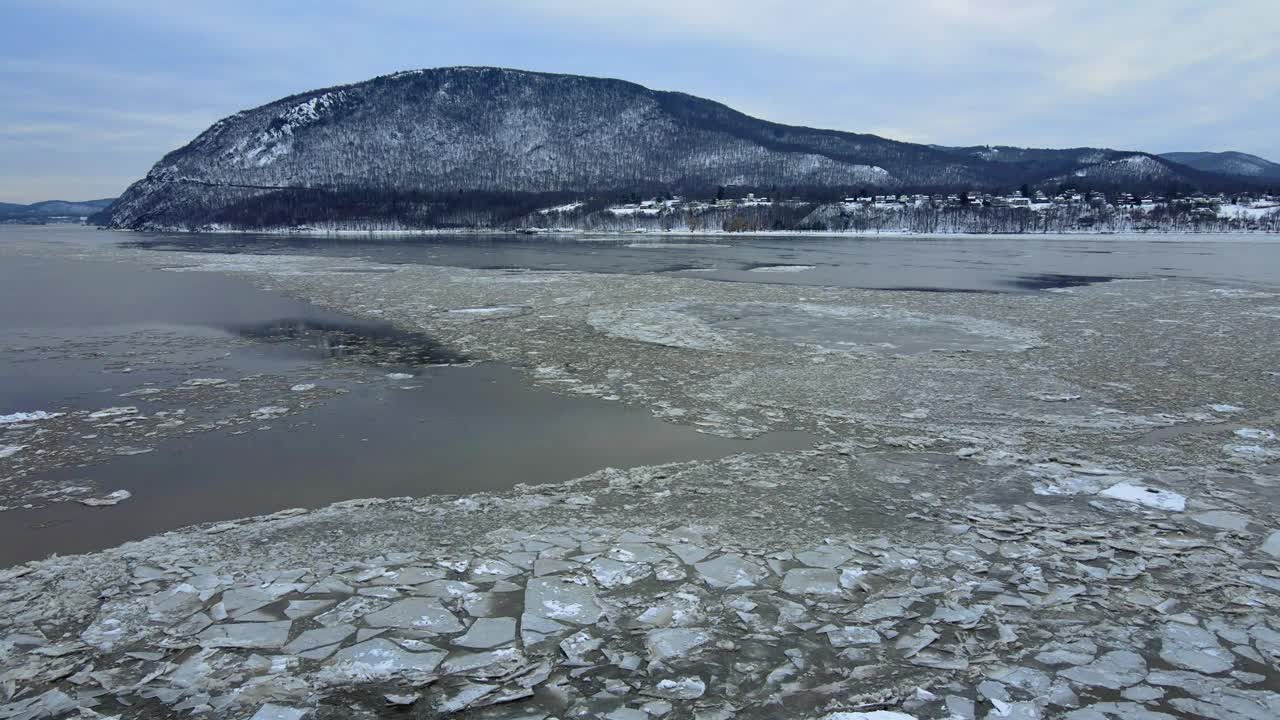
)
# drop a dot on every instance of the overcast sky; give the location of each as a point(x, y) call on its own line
point(93, 93)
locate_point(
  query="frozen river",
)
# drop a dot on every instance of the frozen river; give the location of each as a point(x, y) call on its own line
point(311, 407)
point(1041, 495)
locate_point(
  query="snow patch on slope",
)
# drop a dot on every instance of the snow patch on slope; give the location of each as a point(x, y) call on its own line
point(277, 139)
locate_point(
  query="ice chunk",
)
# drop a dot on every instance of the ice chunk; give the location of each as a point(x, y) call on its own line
point(303, 387)
point(883, 609)
point(554, 598)
point(11, 450)
point(380, 658)
point(249, 635)
point(488, 311)
point(675, 642)
point(1115, 670)
point(113, 498)
point(730, 571)
point(271, 711)
point(872, 715)
point(853, 636)
point(811, 581)
point(488, 633)
point(416, 614)
point(1080, 652)
point(578, 646)
point(399, 376)
point(825, 556)
point(299, 609)
point(1143, 495)
point(113, 412)
point(782, 268)
point(659, 327)
point(612, 573)
point(1272, 544)
point(1256, 434)
point(1222, 520)
point(26, 417)
point(319, 637)
point(687, 688)
point(268, 412)
point(1193, 648)
point(965, 617)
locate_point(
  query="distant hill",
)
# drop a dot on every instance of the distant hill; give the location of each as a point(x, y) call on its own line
point(472, 146)
point(40, 211)
point(1227, 163)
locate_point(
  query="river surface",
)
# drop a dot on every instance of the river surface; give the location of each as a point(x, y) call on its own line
point(1007, 263)
point(76, 334)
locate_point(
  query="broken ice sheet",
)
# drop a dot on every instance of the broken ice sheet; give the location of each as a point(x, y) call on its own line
point(26, 417)
point(1114, 670)
point(250, 635)
point(416, 614)
point(379, 659)
point(685, 688)
point(730, 571)
point(555, 599)
point(811, 581)
point(853, 636)
point(1193, 648)
point(272, 711)
point(1222, 520)
point(670, 643)
point(1255, 434)
point(487, 633)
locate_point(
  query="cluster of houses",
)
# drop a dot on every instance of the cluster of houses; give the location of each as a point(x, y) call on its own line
point(1037, 200)
point(45, 220)
point(677, 203)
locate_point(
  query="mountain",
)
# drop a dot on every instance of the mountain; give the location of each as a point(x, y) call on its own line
point(481, 146)
point(1227, 163)
point(13, 212)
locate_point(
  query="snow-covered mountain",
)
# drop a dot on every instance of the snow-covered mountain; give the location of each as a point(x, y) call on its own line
point(1227, 163)
point(472, 146)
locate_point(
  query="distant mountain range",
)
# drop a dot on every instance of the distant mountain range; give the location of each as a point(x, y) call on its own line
point(1227, 163)
point(40, 211)
point(471, 146)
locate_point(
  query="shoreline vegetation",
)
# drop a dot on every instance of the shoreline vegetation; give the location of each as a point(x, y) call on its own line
point(1017, 214)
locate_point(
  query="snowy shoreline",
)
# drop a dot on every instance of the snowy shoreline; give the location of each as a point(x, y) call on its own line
point(719, 234)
